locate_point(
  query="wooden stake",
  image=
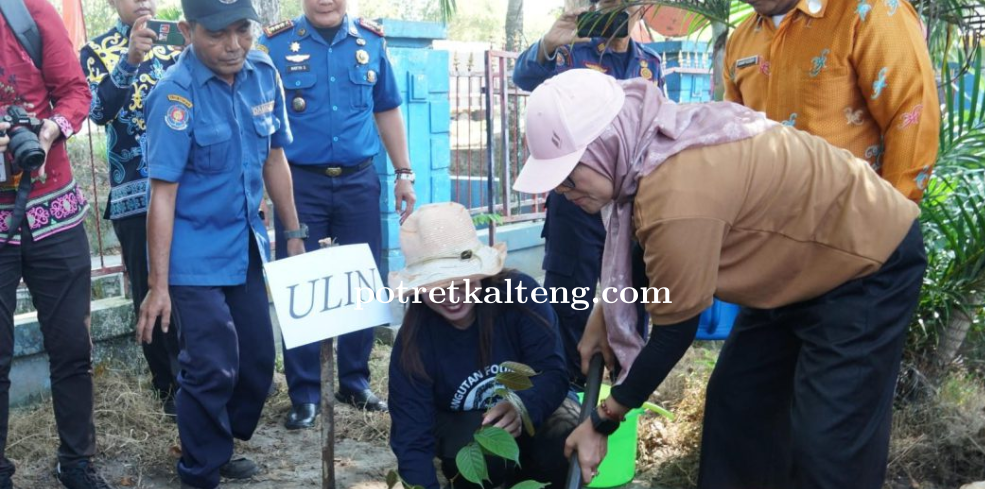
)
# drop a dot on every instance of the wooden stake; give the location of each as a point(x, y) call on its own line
point(327, 404)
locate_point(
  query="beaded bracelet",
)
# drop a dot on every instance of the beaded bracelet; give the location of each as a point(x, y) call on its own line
point(608, 413)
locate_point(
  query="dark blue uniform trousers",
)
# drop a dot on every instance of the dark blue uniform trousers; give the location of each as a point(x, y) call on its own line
point(227, 365)
point(802, 395)
point(346, 208)
point(575, 240)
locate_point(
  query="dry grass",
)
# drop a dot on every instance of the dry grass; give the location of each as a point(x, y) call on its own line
point(131, 429)
point(941, 439)
point(668, 451)
point(137, 439)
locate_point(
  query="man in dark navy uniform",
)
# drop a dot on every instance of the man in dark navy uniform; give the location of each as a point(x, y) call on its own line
point(574, 238)
point(343, 97)
point(216, 126)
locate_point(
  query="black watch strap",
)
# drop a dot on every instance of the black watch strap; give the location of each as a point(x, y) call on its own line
point(604, 426)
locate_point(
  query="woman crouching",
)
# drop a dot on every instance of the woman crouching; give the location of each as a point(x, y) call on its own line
point(450, 347)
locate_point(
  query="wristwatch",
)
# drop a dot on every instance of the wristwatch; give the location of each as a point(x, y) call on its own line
point(300, 233)
point(604, 426)
point(406, 175)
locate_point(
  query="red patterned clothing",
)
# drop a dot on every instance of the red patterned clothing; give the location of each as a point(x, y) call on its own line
point(57, 91)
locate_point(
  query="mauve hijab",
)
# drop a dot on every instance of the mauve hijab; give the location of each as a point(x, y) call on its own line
point(649, 129)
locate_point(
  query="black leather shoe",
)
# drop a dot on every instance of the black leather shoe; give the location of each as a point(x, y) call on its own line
point(302, 416)
point(82, 476)
point(363, 400)
point(240, 468)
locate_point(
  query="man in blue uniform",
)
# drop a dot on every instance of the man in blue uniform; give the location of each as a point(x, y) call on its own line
point(122, 66)
point(574, 238)
point(216, 126)
point(343, 97)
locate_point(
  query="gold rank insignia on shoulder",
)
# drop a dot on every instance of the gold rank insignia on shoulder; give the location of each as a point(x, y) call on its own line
point(601, 47)
point(262, 47)
point(274, 29)
point(371, 26)
point(362, 56)
point(295, 47)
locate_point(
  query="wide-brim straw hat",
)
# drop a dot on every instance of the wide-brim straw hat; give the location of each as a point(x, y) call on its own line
point(440, 246)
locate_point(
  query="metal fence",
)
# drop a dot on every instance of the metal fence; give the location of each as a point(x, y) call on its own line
point(488, 137)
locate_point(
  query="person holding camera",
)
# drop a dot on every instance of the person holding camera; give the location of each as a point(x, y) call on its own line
point(573, 238)
point(122, 66)
point(216, 129)
point(45, 99)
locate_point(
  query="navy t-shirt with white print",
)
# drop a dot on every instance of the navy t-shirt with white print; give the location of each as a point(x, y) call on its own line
point(458, 382)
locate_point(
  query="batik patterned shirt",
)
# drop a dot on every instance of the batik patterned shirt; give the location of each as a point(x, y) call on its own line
point(854, 72)
point(118, 92)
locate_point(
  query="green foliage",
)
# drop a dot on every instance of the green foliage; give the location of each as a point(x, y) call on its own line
point(169, 13)
point(514, 380)
point(530, 485)
point(498, 442)
point(471, 463)
point(485, 219)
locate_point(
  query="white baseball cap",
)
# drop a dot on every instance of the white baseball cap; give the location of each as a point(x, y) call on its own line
point(564, 115)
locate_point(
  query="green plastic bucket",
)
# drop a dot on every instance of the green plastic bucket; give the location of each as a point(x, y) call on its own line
point(619, 465)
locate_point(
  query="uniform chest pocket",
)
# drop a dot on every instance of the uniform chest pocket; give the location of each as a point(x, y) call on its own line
point(265, 126)
point(213, 151)
point(363, 79)
point(829, 94)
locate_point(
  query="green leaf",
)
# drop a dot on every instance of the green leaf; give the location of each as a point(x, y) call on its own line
point(519, 368)
point(472, 463)
point(391, 479)
point(514, 381)
point(498, 441)
point(530, 485)
point(512, 398)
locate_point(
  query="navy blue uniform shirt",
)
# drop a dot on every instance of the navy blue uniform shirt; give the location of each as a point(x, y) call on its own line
point(638, 61)
point(213, 139)
point(118, 92)
point(333, 90)
point(459, 383)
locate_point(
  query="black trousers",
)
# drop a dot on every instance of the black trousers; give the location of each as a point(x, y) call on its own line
point(57, 271)
point(162, 353)
point(802, 395)
point(541, 456)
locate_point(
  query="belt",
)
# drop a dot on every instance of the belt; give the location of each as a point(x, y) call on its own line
point(335, 170)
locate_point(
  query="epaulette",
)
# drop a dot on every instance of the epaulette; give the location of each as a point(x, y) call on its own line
point(371, 26)
point(274, 29)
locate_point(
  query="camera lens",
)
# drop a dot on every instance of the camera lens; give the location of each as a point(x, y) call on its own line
point(26, 148)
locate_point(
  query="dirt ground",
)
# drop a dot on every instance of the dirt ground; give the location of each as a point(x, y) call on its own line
point(138, 447)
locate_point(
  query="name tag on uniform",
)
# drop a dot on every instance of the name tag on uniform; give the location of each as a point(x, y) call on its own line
point(298, 68)
point(264, 108)
point(750, 61)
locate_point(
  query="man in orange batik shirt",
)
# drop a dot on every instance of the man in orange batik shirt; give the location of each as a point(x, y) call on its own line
point(854, 72)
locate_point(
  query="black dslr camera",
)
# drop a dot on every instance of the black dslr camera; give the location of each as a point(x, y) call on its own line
point(24, 146)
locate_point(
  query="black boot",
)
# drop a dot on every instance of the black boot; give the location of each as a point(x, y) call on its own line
point(302, 416)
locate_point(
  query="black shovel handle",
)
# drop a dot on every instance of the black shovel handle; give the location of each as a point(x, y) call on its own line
point(592, 384)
